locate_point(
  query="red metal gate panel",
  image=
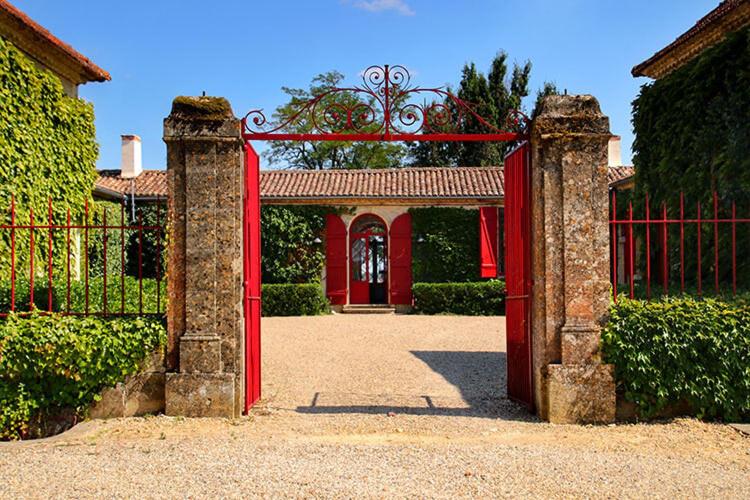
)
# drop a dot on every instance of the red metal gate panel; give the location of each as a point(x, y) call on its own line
point(518, 275)
point(400, 260)
point(251, 258)
point(335, 259)
point(488, 242)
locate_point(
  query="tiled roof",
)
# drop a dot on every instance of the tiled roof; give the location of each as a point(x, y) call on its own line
point(395, 183)
point(21, 22)
point(617, 174)
point(728, 16)
point(151, 183)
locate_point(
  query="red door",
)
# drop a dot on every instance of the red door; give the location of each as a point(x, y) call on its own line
point(368, 257)
point(518, 274)
point(488, 217)
point(400, 260)
point(251, 269)
point(335, 259)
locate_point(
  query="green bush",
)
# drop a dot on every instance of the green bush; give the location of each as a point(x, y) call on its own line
point(78, 295)
point(293, 300)
point(682, 349)
point(50, 363)
point(446, 244)
point(484, 298)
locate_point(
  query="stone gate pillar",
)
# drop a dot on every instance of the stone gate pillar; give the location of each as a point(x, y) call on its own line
point(205, 322)
point(570, 260)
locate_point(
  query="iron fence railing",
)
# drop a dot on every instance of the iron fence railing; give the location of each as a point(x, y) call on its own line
point(677, 250)
point(94, 266)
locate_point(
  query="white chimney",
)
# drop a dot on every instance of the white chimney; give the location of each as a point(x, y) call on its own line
point(131, 165)
point(614, 152)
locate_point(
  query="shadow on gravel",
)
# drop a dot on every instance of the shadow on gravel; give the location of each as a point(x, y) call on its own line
point(478, 375)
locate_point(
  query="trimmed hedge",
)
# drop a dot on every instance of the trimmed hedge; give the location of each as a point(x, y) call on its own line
point(304, 299)
point(484, 298)
point(52, 363)
point(682, 349)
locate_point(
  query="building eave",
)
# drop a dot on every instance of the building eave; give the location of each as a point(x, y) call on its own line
point(728, 17)
point(46, 49)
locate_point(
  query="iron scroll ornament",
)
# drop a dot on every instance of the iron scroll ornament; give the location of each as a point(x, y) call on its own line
point(384, 107)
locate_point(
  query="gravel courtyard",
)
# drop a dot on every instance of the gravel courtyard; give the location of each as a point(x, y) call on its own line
point(380, 406)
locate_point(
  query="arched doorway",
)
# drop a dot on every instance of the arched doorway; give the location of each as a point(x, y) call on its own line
point(368, 250)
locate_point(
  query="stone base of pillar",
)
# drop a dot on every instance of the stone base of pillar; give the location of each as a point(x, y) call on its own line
point(581, 394)
point(200, 395)
point(200, 354)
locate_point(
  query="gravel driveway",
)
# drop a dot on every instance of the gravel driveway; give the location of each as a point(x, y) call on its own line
point(380, 406)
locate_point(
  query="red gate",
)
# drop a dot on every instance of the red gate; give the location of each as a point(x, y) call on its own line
point(518, 275)
point(387, 107)
point(251, 261)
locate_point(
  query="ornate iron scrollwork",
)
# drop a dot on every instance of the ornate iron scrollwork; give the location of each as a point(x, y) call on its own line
point(385, 105)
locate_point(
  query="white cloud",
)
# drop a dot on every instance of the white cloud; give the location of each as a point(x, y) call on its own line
point(399, 6)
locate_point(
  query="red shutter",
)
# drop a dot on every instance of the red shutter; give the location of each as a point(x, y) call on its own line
point(335, 259)
point(400, 260)
point(488, 242)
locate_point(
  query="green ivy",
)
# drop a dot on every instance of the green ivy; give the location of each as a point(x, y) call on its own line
point(47, 150)
point(446, 244)
point(682, 349)
point(290, 253)
point(54, 363)
point(484, 298)
point(692, 134)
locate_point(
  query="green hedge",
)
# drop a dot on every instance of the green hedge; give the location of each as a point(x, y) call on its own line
point(293, 300)
point(78, 295)
point(54, 363)
point(682, 350)
point(446, 244)
point(484, 298)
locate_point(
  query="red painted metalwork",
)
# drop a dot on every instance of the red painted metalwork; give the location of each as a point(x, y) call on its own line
point(359, 283)
point(400, 260)
point(663, 225)
point(488, 229)
point(336, 289)
point(518, 274)
point(382, 108)
point(251, 232)
point(50, 229)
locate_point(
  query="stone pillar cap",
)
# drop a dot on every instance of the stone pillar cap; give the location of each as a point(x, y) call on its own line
point(201, 117)
point(570, 114)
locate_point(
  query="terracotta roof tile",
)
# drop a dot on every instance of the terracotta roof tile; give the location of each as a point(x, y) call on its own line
point(91, 71)
point(151, 183)
point(728, 16)
point(402, 183)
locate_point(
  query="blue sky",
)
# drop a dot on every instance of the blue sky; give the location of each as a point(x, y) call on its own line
point(247, 50)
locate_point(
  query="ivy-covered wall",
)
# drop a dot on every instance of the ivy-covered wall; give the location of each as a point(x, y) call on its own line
point(693, 135)
point(692, 127)
point(446, 244)
point(47, 149)
point(290, 252)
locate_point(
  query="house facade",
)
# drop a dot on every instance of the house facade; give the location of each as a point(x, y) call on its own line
point(369, 237)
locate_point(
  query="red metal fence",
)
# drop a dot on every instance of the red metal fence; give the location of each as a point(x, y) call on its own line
point(48, 262)
point(679, 249)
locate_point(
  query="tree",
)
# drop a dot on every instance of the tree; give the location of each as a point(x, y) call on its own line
point(329, 154)
point(492, 98)
point(549, 88)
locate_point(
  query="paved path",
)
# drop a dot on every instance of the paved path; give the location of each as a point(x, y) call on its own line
point(324, 430)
